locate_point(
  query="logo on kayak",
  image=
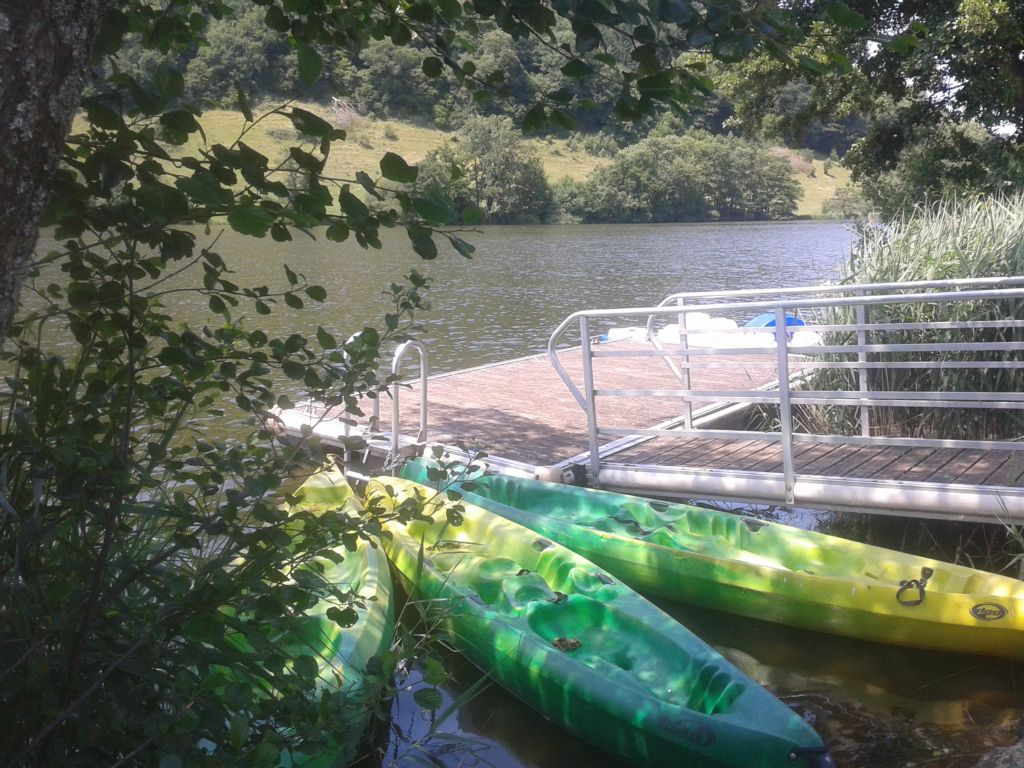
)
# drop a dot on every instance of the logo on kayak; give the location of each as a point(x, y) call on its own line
point(988, 611)
point(695, 733)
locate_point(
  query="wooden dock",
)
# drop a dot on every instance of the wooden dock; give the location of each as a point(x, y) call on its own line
point(614, 415)
point(521, 410)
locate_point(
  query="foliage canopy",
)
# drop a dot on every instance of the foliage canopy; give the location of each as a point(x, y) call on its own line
point(137, 557)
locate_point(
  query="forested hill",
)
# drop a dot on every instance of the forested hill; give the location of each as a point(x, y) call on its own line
point(661, 168)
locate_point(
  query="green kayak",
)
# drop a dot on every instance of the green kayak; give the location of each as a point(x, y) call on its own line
point(765, 570)
point(581, 647)
point(342, 654)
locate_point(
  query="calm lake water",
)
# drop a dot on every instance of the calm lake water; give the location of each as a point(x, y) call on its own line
point(879, 706)
point(524, 280)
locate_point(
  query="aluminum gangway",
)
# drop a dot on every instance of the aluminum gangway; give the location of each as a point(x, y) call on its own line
point(891, 359)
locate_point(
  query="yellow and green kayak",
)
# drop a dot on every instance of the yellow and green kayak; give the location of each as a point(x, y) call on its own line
point(580, 646)
point(765, 570)
point(342, 654)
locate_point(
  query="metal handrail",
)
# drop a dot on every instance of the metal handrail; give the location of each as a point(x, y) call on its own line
point(396, 364)
point(848, 288)
point(863, 397)
point(764, 306)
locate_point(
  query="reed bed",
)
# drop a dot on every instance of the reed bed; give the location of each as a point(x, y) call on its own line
point(975, 237)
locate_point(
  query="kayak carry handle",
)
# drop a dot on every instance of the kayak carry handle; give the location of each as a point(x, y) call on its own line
point(918, 584)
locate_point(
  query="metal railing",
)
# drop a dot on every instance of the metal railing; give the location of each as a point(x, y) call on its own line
point(849, 341)
point(396, 365)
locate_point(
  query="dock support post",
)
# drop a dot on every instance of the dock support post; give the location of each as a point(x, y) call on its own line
point(785, 409)
point(591, 406)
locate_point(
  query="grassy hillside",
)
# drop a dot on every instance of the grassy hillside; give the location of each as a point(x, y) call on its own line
point(369, 139)
point(818, 186)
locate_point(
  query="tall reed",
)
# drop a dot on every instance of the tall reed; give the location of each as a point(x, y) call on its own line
point(962, 238)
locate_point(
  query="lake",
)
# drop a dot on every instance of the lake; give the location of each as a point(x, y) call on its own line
point(879, 706)
point(524, 280)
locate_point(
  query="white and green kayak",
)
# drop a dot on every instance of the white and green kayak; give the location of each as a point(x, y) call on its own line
point(580, 646)
point(343, 653)
point(765, 570)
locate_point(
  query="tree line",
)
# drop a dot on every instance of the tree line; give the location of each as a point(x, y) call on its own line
point(490, 174)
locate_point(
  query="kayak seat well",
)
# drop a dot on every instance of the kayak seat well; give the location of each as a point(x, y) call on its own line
point(499, 582)
point(611, 642)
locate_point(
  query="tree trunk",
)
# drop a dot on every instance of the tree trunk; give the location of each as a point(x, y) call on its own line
point(44, 51)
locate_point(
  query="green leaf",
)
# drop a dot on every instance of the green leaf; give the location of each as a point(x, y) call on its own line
point(275, 19)
point(904, 43)
point(293, 279)
point(293, 301)
point(434, 210)
point(243, 102)
point(535, 119)
point(180, 120)
point(308, 123)
point(203, 188)
point(433, 671)
point(675, 11)
point(102, 116)
point(169, 82)
point(699, 36)
point(432, 66)
point(305, 666)
point(428, 698)
point(293, 370)
point(395, 168)
point(577, 68)
point(238, 730)
point(588, 37)
point(338, 232)
point(305, 160)
point(843, 16)
point(216, 304)
point(343, 617)
point(110, 37)
point(422, 242)
point(464, 249)
point(563, 119)
point(81, 293)
point(326, 340)
point(811, 65)
point(353, 207)
point(316, 292)
point(310, 63)
point(249, 219)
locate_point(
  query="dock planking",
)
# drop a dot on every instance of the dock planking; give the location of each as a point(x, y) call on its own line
point(521, 409)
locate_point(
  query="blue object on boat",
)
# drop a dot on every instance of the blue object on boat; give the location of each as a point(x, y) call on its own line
point(767, 320)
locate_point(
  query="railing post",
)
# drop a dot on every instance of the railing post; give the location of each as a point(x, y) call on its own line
point(785, 411)
point(684, 357)
point(862, 372)
point(591, 405)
